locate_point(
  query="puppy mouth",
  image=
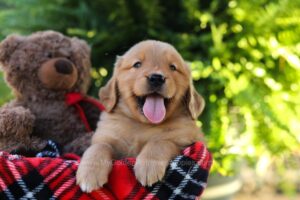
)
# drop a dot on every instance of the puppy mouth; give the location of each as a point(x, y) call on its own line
point(153, 107)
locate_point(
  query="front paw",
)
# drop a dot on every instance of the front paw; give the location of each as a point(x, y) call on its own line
point(149, 171)
point(92, 175)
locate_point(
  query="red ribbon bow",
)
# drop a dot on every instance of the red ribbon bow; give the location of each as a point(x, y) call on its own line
point(73, 99)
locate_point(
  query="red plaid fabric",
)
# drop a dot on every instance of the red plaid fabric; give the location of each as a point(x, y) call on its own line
point(54, 178)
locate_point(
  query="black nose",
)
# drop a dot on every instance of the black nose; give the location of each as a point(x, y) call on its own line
point(63, 67)
point(156, 80)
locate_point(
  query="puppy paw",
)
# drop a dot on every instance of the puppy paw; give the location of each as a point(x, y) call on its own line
point(92, 176)
point(149, 172)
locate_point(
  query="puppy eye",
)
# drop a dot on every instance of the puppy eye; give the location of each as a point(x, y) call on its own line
point(138, 64)
point(173, 67)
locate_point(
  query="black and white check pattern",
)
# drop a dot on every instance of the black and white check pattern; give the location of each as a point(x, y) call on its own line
point(182, 181)
point(51, 150)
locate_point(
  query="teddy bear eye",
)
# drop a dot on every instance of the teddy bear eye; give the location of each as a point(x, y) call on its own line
point(173, 67)
point(49, 55)
point(137, 64)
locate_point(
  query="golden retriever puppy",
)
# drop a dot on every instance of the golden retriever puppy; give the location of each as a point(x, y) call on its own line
point(151, 109)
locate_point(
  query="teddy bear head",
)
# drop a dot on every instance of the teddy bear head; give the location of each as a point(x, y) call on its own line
point(45, 64)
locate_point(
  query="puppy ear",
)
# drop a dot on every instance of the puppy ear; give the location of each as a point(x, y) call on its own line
point(109, 93)
point(8, 46)
point(195, 102)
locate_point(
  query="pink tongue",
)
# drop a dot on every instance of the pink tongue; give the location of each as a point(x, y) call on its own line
point(154, 109)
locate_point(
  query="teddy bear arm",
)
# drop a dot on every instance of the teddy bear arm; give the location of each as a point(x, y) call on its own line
point(16, 122)
point(80, 144)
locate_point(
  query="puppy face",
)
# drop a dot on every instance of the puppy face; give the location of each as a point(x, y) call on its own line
point(150, 81)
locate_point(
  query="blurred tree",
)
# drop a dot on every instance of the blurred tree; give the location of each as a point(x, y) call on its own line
point(5, 93)
point(244, 56)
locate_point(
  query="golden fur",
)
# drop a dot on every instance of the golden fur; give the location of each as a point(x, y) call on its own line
point(124, 131)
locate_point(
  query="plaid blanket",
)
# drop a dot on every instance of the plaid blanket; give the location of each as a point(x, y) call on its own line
point(54, 178)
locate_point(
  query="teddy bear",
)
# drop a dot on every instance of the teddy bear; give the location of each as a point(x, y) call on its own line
point(49, 74)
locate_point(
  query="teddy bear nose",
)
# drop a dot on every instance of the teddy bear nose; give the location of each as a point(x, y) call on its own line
point(63, 67)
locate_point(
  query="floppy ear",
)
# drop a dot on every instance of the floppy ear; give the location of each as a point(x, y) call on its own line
point(195, 102)
point(109, 93)
point(8, 46)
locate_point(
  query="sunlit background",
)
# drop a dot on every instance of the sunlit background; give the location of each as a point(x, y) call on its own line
point(245, 60)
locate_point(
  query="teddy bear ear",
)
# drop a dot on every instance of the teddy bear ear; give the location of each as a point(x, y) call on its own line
point(81, 45)
point(82, 58)
point(8, 46)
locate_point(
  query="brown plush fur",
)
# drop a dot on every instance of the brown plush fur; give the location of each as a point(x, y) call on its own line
point(124, 130)
point(41, 69)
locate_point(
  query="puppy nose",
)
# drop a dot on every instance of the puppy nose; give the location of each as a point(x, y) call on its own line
point(63, 66)
point(156, 80)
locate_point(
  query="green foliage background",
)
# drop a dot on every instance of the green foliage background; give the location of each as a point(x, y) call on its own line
point(244, 56)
